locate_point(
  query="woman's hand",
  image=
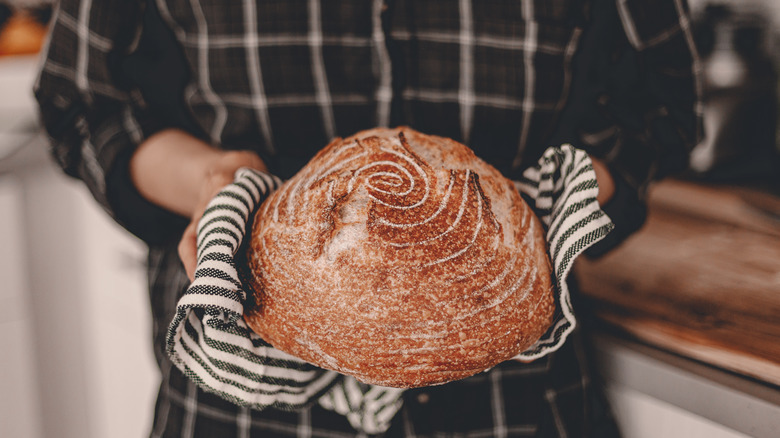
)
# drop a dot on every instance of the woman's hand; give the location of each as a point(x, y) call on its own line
point(182, 174)
point(605, 181)
point(217, 177)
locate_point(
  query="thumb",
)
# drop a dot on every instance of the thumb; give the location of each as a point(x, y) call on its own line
point(188, 251)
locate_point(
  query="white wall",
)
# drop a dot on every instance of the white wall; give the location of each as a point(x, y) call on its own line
point(118, 326)
point(75, 326)
point(17, 363)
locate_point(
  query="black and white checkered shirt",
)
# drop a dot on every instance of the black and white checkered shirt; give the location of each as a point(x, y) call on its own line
point(282, 77)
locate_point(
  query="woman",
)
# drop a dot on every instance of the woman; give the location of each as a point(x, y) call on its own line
point(155, 104)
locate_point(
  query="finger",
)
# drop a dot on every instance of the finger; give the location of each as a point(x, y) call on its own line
point(188, 252)
point(604, 180)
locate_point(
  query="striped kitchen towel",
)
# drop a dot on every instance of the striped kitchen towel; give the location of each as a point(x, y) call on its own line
point(210, 342)
point(562, 190)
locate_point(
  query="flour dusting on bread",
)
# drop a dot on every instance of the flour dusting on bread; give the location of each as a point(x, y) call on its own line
point(401, 259)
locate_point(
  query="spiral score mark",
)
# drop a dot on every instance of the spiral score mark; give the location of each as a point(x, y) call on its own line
point(424, 216)
point(408, 208)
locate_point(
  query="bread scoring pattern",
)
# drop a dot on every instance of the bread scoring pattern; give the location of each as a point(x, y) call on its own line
point(401, 259)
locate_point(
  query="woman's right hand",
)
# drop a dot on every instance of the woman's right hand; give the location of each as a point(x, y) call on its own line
point(181, 173)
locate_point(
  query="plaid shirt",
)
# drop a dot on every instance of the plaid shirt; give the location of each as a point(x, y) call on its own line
point(507, 78)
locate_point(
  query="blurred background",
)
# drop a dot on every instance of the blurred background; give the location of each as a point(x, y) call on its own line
point(739, 44)
point(75, 334)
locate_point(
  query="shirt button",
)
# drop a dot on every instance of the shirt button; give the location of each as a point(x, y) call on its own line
point(423, 398)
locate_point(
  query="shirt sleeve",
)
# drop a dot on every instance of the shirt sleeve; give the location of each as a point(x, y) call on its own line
point(636, 100)
point(656, 108)
point(93, 114)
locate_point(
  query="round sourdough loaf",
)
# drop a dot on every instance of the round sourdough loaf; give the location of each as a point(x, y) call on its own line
point(401, 259)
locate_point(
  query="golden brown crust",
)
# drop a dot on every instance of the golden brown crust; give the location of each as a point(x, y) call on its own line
point(401, 259)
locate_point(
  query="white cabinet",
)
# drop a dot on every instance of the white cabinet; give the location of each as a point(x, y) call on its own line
point(18, 413)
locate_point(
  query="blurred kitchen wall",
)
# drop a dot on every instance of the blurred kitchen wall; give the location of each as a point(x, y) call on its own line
point(75, 327)
point(739, 44)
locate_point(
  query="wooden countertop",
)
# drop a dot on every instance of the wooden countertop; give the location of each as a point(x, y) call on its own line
point(701, 279)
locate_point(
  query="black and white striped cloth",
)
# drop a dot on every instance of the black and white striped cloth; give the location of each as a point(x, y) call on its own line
point(210, 342)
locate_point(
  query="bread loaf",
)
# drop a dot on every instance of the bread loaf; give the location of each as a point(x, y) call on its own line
point(401, 259)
